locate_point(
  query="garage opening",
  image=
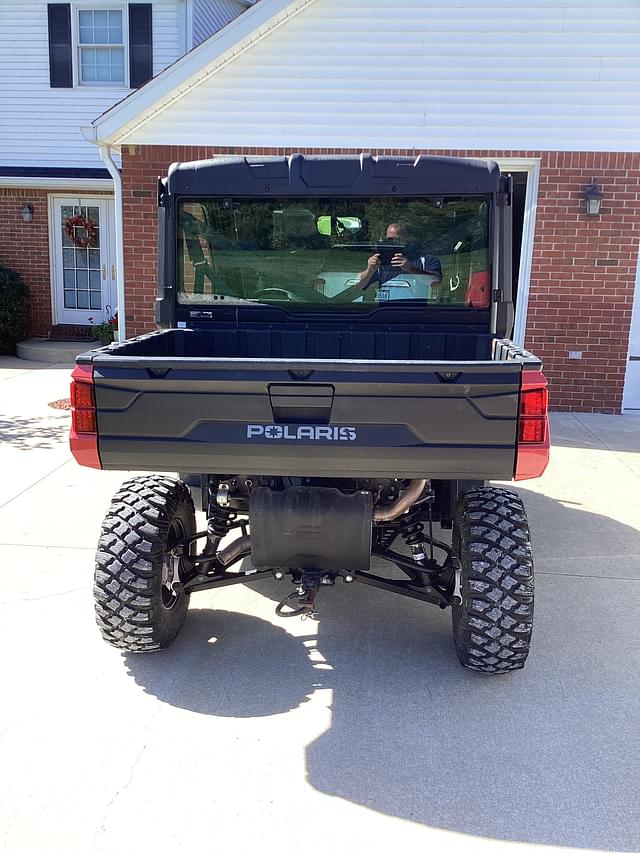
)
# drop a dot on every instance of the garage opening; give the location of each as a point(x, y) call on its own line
point(519, 196)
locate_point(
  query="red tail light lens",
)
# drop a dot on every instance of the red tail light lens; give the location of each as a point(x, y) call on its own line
point(82, 396)
point(533, 403)
point(532, 431)
point(83, 407)
point(84, 420)
point(532, 454)
point(84, 427)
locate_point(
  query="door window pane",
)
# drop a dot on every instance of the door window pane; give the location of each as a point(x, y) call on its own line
point(82, 267)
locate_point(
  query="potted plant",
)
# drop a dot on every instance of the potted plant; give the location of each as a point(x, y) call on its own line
point(107, 331)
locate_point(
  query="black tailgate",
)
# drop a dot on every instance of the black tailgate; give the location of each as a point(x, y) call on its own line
point(343, 418)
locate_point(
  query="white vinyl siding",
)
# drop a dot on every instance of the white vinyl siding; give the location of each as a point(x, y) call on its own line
point(210, 17)
point(40, 126)
point(414, 73)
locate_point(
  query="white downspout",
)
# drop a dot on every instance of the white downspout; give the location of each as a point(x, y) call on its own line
point(107, 159)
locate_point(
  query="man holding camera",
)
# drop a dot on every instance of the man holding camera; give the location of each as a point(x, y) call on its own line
point(412, 262)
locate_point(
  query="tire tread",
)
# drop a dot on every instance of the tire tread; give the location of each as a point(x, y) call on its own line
point(493, 624)
point(128, 574)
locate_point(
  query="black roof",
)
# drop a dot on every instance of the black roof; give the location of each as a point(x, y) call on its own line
point(315, 175)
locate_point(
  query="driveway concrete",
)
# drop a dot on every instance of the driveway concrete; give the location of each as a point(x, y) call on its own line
point(359, 731)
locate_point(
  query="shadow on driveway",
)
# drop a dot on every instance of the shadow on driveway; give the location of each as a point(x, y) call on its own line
point(29, 433)
point(548, 755)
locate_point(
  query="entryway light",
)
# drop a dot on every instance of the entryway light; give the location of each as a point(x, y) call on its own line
point(27, 213)
point(593, 198)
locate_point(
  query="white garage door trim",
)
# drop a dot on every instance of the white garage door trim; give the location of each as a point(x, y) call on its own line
point(631, 395)
point(530, 165)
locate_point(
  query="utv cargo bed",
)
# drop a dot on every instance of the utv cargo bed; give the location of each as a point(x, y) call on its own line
point(163, 407)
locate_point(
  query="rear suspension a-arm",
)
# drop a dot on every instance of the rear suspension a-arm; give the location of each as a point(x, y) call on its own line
point(205, 571)
point(424, 581)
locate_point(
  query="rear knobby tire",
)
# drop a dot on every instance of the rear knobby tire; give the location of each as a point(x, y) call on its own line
point(493, 622)
point(139, 607)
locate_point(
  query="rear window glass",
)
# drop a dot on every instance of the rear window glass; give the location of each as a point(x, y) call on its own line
point(332, 253)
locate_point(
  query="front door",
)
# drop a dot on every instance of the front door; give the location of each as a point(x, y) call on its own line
point(84, 260)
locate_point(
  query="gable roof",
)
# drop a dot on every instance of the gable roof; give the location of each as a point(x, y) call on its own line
point(114, 125)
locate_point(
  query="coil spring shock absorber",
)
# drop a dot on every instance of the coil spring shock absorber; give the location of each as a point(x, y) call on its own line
point(220, 517)
point(412, 531)
point(412, 528)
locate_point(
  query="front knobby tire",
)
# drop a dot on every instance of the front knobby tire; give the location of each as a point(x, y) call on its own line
point(492, 623)
point(139, 602)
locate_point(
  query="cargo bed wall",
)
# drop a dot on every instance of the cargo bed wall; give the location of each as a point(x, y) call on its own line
point(282, 342)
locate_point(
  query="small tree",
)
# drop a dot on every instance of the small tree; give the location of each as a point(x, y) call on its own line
point(14, 302)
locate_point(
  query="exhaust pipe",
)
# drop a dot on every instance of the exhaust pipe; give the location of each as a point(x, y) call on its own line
point(404, 502)
point(239, 548)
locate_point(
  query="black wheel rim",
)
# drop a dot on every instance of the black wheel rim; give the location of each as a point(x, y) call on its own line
point(171, 566)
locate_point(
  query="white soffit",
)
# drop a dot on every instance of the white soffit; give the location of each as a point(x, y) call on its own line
point(113, 126)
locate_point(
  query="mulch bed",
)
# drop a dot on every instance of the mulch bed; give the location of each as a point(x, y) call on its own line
point(61, 404)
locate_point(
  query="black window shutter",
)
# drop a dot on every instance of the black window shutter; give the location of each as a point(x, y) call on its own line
point(140, 44)
point(60, 66)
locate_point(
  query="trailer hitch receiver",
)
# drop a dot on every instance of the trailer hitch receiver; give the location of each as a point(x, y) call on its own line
point(302, 601)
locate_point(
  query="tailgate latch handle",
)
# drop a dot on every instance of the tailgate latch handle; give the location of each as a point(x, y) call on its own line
point(301, 404)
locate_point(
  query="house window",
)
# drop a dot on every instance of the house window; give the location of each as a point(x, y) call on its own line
point(101, 46)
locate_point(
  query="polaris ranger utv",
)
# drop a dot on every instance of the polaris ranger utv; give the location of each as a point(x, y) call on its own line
point(332, 377)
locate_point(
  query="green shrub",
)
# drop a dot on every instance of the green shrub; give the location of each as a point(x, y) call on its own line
point(14, 302)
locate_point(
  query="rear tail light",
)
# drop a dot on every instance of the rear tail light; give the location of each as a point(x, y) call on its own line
point(532, 431)
point(532, 452)
point(84, 421)
point(83, 439)
point(533, 403)
point(83, 405)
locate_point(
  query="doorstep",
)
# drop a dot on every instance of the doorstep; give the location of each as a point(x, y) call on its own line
point(53, 352)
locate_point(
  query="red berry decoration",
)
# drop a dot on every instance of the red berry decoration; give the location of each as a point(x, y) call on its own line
point(74, 226)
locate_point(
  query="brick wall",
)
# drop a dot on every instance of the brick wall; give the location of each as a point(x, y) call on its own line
point(583, 272)
point(24, 247)
point(583, 277)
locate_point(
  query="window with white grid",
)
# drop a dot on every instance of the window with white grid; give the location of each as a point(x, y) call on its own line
point(101, 46)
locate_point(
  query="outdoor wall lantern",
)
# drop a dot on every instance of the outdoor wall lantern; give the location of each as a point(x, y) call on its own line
point(27, 212)
point(593, 198)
